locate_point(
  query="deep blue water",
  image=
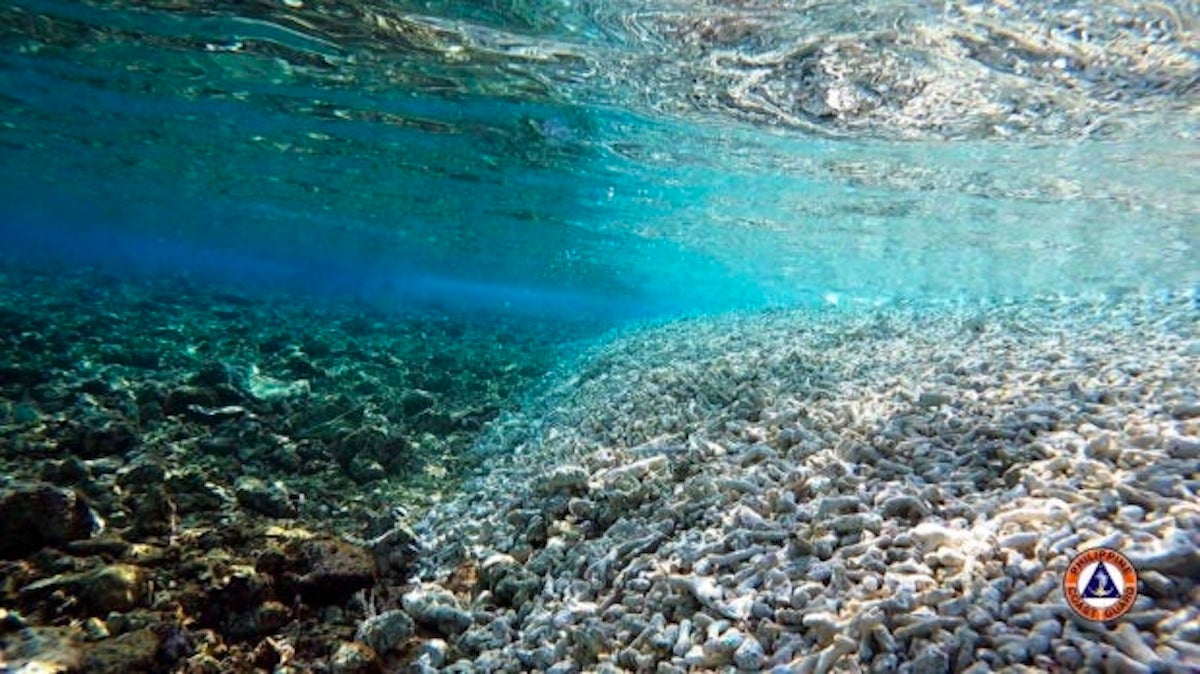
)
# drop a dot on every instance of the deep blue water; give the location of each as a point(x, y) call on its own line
point(589, 158)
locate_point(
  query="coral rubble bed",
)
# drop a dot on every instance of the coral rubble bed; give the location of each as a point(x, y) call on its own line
point(838, 492)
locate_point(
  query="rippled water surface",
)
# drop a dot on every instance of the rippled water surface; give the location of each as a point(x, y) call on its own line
point(622, 157)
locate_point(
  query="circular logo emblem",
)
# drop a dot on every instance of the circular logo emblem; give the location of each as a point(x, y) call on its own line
point(1100, 585)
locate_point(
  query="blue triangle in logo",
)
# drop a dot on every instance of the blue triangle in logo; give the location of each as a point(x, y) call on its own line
point(1101, 585)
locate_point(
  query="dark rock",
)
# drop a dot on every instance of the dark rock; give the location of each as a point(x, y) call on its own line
point(233, 607)
point(257, 621)
point(14, 322)
point(274, 343)
point(179, 399)
point(228, 394)
point(437, 382)
point(175, 643)
point(214, 373)
point(286, 458)
point(109, 437)
point(272, 562)
point(300, 366)
point(393, 451)
point(145, 358)
point(364, 469)
point(107, 545)
point(141, 475)
point(359, 326)
point(316, 347)
point(149, 410)
point(68, 472)
point(270, 499)
point(153, 513)
point(22, 375)
point(35, 516)
point(129, 653)
point(267, 655)
point(96, 387)
point(193, 492)
point(313, 453)
point(327, 570)
point(435, 422)
point(113, 588)
point(416, 401)
point(272, 616)
point(219, 445)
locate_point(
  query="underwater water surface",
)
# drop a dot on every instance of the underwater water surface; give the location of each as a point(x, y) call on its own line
point(626, 158)
point(355, 336)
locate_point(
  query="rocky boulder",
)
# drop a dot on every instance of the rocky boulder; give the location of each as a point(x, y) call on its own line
point(33, 516)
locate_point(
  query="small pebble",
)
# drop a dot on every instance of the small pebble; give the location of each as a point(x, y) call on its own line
point(933, 399)
point(353, 658)
point(95, 629)
point(749, 655)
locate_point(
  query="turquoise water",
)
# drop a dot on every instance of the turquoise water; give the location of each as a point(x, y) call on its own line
point(617, 159)
point(795, 335)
